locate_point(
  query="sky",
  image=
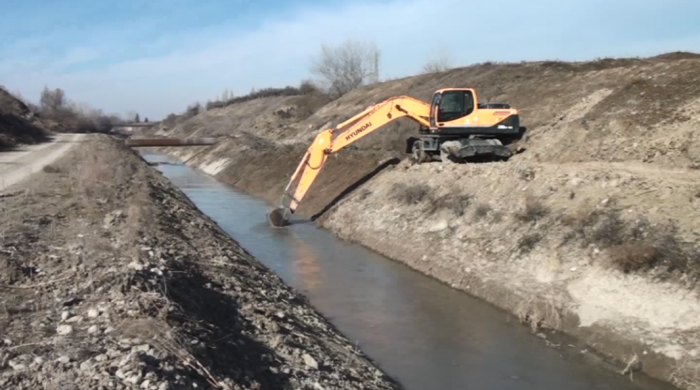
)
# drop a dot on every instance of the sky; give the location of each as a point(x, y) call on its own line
point(155, 57)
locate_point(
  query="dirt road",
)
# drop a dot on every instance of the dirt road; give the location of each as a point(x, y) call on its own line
point(19, 164)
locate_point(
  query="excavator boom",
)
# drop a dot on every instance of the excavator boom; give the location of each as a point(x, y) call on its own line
point(331, 141)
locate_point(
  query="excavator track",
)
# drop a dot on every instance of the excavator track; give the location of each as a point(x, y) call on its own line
point(465, 149)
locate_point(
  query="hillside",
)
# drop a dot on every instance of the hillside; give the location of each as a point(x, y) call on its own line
point(592, 230)
point(18, 124)
point(607, 110)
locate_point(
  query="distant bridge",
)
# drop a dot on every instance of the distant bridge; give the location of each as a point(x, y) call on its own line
point(128, 129)
point(137, 124)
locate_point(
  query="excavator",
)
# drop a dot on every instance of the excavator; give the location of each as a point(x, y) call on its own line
point(453, 127)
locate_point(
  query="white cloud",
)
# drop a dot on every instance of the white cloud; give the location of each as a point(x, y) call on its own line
point(206, 61)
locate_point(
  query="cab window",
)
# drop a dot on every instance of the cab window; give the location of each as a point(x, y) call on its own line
point(433, 109)
point(454, 105)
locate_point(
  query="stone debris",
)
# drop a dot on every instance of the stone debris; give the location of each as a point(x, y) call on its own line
point(162, 299)
point(64, 330)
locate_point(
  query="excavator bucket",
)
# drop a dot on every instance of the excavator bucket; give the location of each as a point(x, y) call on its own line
point(278, 217)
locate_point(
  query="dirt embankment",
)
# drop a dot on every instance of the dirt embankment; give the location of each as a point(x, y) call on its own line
point(589, 252)
point(18, 124)
point(123, 283)
point(593, 230)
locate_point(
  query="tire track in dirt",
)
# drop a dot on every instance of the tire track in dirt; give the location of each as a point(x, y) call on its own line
point(18, 165)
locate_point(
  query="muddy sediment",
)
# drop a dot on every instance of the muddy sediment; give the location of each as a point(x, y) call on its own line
point(111, 278)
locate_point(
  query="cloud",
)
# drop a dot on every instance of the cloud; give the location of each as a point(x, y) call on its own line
point(156, 68)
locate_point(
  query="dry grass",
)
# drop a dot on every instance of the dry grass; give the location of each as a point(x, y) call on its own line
point(481, 211)
point(528, 242)
point(546, 314)
point(363, 194)
point(457, 203)
point(534, 210)
point(308, 104)
point(306, 88)
point(633, 256)
point(602, 227)
point(411, 194)
point(51, 169)
point(609, 230)
point(686, 375)
point(166, 339)
point(635, 246)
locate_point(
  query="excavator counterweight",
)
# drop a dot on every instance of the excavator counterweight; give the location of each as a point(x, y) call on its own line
point(453, 127)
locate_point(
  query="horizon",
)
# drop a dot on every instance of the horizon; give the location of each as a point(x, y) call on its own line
point(156, 57)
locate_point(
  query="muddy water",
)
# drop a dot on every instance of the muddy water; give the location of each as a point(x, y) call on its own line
point(421, 332)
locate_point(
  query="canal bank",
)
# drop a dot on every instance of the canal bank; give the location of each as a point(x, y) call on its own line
point(592, 230)
point(110, 278)
point(420, 331)
point(543, 242)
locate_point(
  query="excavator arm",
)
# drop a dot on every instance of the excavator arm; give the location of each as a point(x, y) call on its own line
point(331, 141)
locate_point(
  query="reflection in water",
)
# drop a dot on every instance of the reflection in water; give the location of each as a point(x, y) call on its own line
point(310, 273)
point(423, 333)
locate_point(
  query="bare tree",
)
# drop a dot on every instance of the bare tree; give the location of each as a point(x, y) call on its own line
point(130, 116)
point(346, 66)
point(54, 103)
point(441, 62)
point(137, 119)
point(227, 95)
point(193, 110)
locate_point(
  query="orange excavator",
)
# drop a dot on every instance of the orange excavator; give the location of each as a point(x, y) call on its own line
point(453, 127)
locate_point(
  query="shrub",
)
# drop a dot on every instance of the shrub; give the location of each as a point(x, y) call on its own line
point(671, 255)
point(440, 62)
point(664, 252)
point(73, 116)
point(411, 195)
point(635, 246)
point(306, 88)
point(457, 203)
point(51, 169)
point(481, 211)
point(364, 194)
point(262, 93)
point(609, 230)
point(632, 256)
point(528, 242)
point(307, 105)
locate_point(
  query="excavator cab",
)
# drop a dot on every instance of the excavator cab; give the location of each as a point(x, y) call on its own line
point(453, 105)
point(461, 128)
point(457, 111)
